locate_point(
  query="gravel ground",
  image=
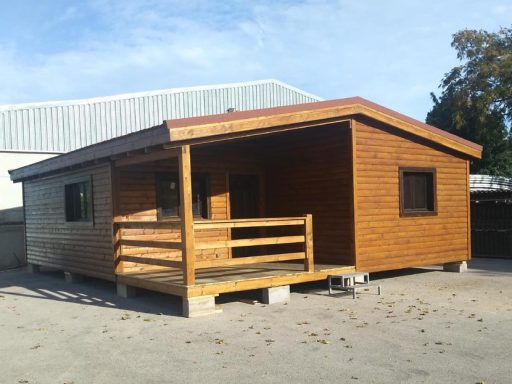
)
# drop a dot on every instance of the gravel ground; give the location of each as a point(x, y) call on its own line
point(428, 326)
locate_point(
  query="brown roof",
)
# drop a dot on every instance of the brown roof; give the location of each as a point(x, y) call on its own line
point(268, 112)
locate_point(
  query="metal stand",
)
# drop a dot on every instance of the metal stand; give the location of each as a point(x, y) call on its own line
point(349, 282)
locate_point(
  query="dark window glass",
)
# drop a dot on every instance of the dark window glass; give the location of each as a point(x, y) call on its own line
point(78, 199)
point(168, 195)
point(417, 189)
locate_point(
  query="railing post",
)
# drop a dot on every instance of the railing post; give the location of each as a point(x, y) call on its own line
point(309, 264)
point(118, 264)
point(187, 218)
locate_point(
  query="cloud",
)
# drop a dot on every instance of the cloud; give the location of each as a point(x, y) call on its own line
point(391, 54)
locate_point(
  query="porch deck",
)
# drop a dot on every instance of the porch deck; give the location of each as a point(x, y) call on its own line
point(213, 281)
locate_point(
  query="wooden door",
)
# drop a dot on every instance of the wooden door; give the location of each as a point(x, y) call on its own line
point(244, 204)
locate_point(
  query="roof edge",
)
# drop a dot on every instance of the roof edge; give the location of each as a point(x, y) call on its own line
point(182, 129)
point(166, 91)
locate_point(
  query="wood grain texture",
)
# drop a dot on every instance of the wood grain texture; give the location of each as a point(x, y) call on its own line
point(309, 172)
point(75, 247)
point(387, 241)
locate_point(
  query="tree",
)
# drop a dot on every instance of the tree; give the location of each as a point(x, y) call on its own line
point(476, 98)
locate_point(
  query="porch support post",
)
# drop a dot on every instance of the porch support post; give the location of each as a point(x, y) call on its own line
point(309, 264)
point(187, 218)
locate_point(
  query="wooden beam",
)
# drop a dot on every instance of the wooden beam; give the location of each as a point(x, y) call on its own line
point(146, 157)
point(152, 261)
point(353, 205)
point(309, 264)
point(132, 224)
point(250, 242)
point(151, 244)
point(243, 223)
point(187, 218)
point(250, 260)
point(468, 207)
point(311, 117)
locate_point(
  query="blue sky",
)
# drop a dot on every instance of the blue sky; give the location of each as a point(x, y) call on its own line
point(392, 52)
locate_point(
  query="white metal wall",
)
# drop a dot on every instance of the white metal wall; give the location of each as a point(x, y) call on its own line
point(67, 125)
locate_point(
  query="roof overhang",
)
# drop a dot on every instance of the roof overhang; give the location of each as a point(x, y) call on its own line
point(197, 128)
point(174, 133)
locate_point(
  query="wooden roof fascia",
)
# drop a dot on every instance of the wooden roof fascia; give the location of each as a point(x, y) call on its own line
point(473, 151)
point(150, 137)
point(161, 154)
point(257, 123)
point(258, 132)
point(306, 118)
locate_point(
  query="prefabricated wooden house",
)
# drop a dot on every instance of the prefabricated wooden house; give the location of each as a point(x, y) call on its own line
point(200, 206)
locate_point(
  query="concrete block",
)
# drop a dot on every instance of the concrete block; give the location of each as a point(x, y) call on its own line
point(73, 278)
point(200, 306)
point(276, 294)
point(459, 267)
point(126, 291)
point(33, 268)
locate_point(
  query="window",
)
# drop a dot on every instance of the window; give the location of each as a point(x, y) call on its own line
point(417, 191)
point(168, 195)
point(78, 200)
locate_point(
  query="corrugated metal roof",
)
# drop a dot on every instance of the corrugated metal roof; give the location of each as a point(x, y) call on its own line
point(486, 183)
point(63, 126)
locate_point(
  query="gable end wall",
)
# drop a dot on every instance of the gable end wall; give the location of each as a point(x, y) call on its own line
point(387, 241)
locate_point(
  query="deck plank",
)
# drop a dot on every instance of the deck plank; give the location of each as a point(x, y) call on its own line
point(218, 280)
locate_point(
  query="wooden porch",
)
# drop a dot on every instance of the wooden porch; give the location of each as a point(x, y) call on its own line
point(194, 255)
point(143, 245)
point(215, 280)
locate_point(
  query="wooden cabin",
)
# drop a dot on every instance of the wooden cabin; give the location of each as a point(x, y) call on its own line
point(200, 206)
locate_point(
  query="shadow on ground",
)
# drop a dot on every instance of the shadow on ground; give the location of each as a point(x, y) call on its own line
point(491, 265)
point(51, 285)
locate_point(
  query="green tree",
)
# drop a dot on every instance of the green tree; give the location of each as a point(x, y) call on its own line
point(476, 98)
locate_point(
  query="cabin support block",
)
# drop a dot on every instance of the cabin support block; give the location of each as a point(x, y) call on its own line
point(33, 268)
point(73, 278)
point(199, 306)
point(459, 267)
point(276, 295)
point(126, 291)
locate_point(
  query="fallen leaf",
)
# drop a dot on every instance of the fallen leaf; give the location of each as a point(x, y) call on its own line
point(322, 341)
point(36, 346)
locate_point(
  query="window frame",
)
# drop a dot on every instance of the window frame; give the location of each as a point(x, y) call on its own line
point(417, 212)
point(207, 205)
point(77, 180)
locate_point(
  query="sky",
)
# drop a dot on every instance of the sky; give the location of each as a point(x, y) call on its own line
point(392, 52)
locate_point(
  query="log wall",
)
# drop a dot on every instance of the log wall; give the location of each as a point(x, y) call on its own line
point(310, 171)
point(71, 246)
point(137, 200)
point(387, 241)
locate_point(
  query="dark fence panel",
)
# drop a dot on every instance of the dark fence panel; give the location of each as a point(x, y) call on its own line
point(491, 225)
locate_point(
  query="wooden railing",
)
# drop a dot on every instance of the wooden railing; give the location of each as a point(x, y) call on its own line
point(145, 237)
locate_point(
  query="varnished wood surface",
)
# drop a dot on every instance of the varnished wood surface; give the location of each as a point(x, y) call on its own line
point(385, 240)
point(228, 279)
point(85, 248)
